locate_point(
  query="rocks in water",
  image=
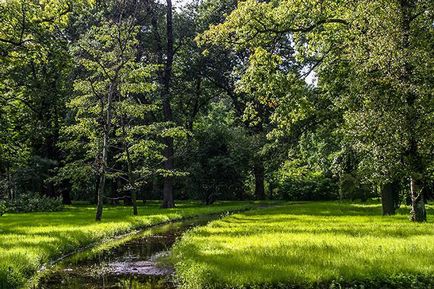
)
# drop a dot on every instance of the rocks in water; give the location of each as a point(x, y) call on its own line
point(147, 268)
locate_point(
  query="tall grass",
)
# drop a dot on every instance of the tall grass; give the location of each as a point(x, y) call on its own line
point(29, 240)
point(308, 245)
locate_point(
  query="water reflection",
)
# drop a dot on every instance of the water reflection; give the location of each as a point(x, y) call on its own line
point(130, 262)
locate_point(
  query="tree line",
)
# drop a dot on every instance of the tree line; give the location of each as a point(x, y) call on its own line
point(217, 99)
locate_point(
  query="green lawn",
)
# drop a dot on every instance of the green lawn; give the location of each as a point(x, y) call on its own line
point(312, 245)
point(29, 240)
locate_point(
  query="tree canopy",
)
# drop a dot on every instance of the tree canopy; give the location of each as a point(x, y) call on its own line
point(302, 100)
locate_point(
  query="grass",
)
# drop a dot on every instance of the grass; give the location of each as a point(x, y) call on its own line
point(312, 245)
point(29, 240)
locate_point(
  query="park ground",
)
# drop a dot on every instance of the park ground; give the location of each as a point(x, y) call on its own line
point(27, 241)
point(309, 245)
point(287, 245)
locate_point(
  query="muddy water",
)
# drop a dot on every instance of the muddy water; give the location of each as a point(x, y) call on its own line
point(131, 264)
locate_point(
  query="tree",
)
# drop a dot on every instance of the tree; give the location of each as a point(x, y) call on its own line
point(385, 101)
point(35, 66)
point(265, 80)
point(387, 97)
point(107, 57)
point(165, 58)
point(224, 67)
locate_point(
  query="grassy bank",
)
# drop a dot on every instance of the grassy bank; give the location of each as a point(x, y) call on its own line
point(29, 240)
point(312, 245)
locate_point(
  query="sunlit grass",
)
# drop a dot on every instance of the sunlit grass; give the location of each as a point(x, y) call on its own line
point(308, 245)
point(29, 240)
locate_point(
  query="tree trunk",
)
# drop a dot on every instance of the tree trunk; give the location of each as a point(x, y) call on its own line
point(418, 211)
point(168, 201)
point(131, 177)
point(66, 196)
point(131, 181)
point(10, 184)
point(259, 173)
point(107, 116)
point(100, 197)
point(388, 198)
point(413, 159)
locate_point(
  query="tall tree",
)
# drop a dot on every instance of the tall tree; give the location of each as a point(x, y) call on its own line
point(107, 56)
point(34, 76)
point(166, 79)
point(388, 88)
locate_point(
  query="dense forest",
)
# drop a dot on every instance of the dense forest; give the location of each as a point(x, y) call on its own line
point(123, 101)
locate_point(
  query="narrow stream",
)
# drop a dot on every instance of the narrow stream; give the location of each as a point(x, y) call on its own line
point(130, 265)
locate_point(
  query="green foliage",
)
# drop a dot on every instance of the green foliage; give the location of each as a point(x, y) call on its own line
point(309, 245)
point(34, 203)
point(46, 236)
point(111, 83)
point(218, 161)
point(3, 207)
point(296, 182)
point(371, 60)
point(34, 84)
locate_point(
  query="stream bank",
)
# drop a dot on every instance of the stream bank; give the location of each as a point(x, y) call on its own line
point(135, 261)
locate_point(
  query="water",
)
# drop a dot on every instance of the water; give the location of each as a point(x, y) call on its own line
point(132, 264)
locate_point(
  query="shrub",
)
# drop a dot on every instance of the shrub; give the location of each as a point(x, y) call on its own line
point(309, 189)
point(2, 208)
point(351, 188)
point(34, 203)
point(296, 182)
point(10, 278)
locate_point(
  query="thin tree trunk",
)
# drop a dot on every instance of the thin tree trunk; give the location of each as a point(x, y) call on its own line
point(259, 172)
point(10, 183)
point(168, 201)
point(100, 197)
point(66, 193)
point(132, 184)
point(104, 152)
point(131, 179)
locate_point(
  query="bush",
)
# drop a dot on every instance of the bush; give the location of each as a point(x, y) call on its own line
point(2, 208)
point(10, 278)
point(320, 189)
point(351, 188)
point(34, 203)
point(296, 182)
point(218, 159)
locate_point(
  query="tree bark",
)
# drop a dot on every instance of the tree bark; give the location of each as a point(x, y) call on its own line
point(168, 201)
point(390, 198)
point(131, 178)
point(413, 159)
point(259, 173)
point(66, 197)
point(104, 151)
point(100, 196)
point(418, 211)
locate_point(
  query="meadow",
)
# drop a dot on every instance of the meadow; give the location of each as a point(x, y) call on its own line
point(27, 241)
point(310, 245)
